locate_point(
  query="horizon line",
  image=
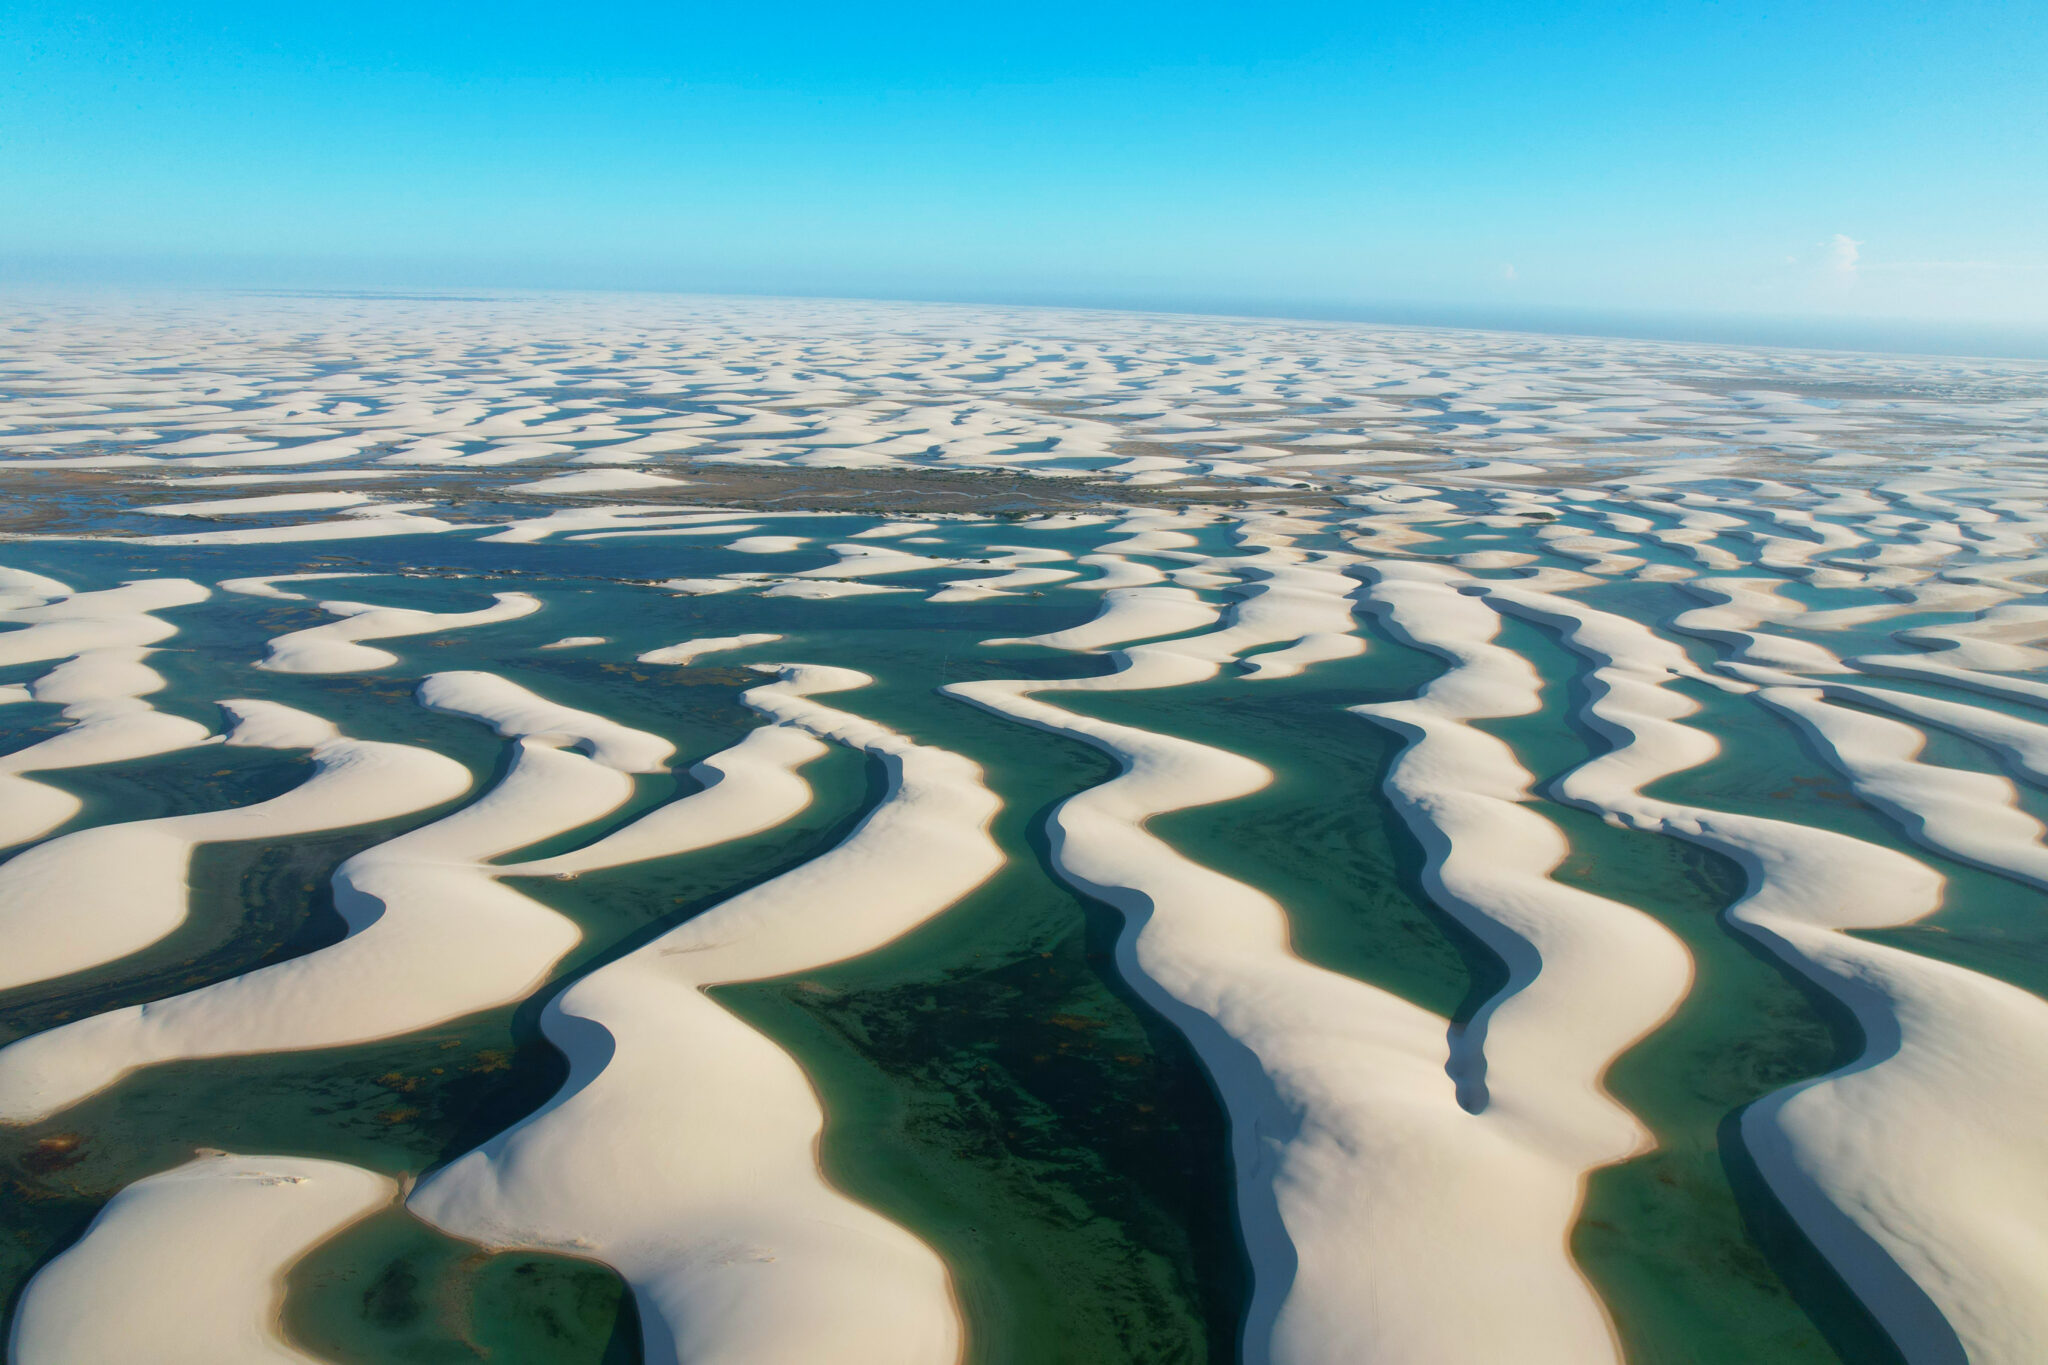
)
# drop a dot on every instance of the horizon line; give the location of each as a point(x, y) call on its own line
point(1821, 333)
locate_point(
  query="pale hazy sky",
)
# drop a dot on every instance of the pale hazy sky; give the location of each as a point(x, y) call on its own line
point(1831, 161)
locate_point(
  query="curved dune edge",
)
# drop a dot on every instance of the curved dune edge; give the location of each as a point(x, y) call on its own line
point(517, 713)
point(682, 1150)
point(266, 585)
point(1911, 1169)
point(98, 894)
point(2021, 746)
point(747, 788)
point(337, 646)
point(1361, 1179)
point(1929, 668)
point(1972, 817)
point(189, 1265)
point(61, 626)
point(102, 639)
point(102, 694)
point(1126, 614)
point(432, 934)
point(689, 651)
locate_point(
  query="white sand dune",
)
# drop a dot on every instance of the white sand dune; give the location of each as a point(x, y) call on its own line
point(101, 692)
point(689, 651)
point(432, 935)
point(682, 1150)
point(1970, 816)
point(1314, 648)
point(2021, 745)
point(1297, 600)
point(99, 684)
point(1018, 567)
point(1930, 668)
point(20, 588)
point(106, 619)
point(390, 522)
point(902, 386)
point(1115, 571)
point(573, 522)
point(267, 586)
point(1361, 1175)
point(100, 893)
point(820, 589)
point(187, 1267)
point(1127, 614)
point(868, 561)
point(515, 712)
point(764, 545)
point(265, 504)
point(1910, 1169)
point(337, 646)
point(747, 788)
point(649, 531)
point(1464, 795)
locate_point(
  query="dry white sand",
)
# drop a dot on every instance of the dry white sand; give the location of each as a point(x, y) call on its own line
point(187, 1267)
point(337, 647)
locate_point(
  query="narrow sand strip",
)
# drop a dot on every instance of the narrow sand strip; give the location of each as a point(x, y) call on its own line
point(690, 650)
point(109, 618)
point(391, 522)
point(1911, 1169)
point(748, 788)
point(1362, 1179)
point(98, 894)
point(102, 635)
point(337, 646)
point(1970, 816)
point(683, 1148)
point(1299, 600)
point(2021, 745)
point(187, 1267)
point(267, 586)
point(516, 713)
point(1127, 614)
point(432, 936)
point(1929, 668)
point(1587, 976)
point(101, 692)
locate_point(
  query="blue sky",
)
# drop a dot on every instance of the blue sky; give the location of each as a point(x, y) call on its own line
point(1835, 161)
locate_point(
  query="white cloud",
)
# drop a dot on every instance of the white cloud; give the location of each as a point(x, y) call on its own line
point(1839, 255)
point(1507, 272)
